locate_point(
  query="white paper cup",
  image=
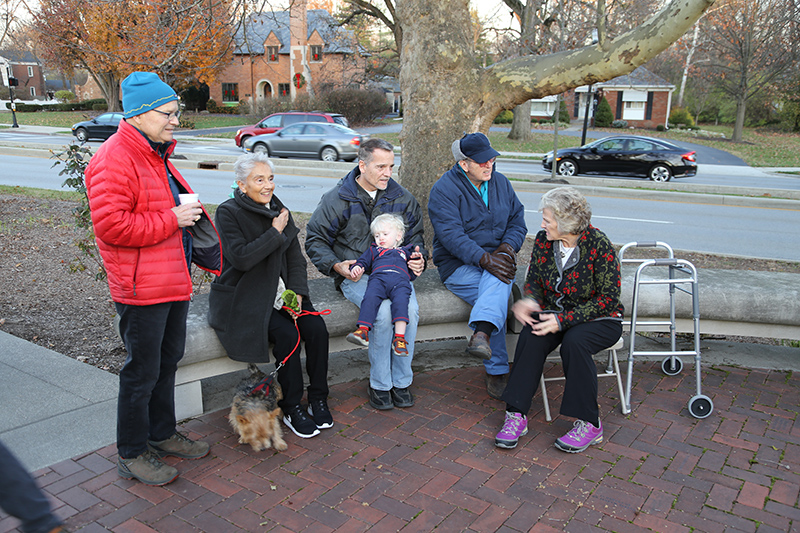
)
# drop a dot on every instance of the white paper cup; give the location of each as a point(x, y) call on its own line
point(189, 198)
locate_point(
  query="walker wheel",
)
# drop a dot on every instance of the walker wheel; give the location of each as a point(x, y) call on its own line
point(666, 366)
point(700, 406)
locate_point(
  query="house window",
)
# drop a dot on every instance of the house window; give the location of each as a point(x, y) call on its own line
point(33, 91)
point(284, 89)
point(316, 53)
point(30, 72)
point(272, 54)
point(635, 103)
point(230, 92)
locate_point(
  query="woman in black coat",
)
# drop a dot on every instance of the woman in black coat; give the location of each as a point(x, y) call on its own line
point(261, 258)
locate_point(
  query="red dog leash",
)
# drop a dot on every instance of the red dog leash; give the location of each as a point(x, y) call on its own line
point(264, 385)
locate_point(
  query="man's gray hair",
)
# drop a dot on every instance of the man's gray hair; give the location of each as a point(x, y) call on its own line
point(246, 162)
point(570, 209)
point(456, 149)
point(368, 148)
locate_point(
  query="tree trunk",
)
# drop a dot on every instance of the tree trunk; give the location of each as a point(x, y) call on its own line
point(738, 127)
point(521, 127)
point(446, 92)
point(109, 84)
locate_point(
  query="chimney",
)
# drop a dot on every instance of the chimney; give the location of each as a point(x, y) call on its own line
point(298, 41)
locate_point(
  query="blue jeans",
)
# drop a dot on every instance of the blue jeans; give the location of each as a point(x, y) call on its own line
point(386, 370)
point(488, 297)
point(155, 337)
point(21, 498)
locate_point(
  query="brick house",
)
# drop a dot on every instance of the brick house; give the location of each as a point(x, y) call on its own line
point(285, 53)
point(641, 98)
point(27, 70)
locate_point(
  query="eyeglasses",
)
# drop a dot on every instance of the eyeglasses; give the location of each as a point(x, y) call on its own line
point(486, 164)
point(170, 116)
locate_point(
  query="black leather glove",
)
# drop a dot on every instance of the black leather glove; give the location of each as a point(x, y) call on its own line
point(498, 265)
point(505, 249)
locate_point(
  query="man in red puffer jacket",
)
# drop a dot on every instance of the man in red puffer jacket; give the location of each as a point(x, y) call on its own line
point(148, 241)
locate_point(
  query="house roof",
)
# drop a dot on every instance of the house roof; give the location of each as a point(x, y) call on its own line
point(250, 36)
point(15, 56)
point(640, 78)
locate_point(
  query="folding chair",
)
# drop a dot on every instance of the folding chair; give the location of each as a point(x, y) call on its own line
point(612, 370)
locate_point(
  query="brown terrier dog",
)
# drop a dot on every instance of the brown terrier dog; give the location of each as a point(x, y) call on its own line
point(255, 414)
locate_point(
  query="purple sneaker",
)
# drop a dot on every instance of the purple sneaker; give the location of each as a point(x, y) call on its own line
point(515, 426)
point(581, 436)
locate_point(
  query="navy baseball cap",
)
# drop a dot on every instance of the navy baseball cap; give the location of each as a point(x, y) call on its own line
point(475, 146)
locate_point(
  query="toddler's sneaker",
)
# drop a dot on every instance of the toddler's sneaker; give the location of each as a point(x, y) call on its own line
point(581, 436)
point(515, 426)
point(399, 346)
point(360, 337)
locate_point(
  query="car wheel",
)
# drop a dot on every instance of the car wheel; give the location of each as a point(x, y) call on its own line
point(82, 135)
point(329, 153)
point(261, 148)
point(243, 139)
point(567, 167)
point(660, 173)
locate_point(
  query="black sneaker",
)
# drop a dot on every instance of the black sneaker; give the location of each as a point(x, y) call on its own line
point(318, 409)
point(299, 422)
point(380, 399)
point(402, 397)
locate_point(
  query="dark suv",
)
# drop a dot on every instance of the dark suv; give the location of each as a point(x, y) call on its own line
point(276, 121)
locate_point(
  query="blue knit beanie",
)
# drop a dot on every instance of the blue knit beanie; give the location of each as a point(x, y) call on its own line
point(143, 91)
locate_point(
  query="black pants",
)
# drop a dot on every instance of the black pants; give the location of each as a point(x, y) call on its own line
point(314, 333)
point(21, 498)
point(155, 338)
point(578, 345)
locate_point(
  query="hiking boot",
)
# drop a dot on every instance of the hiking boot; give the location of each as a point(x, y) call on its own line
point(478, 345)
point(298, 421)
point(318, 409)
point(496, 385)
point(515, 426)
point(380, 399)
point(359, 337)
point(399, 346)
point(147, 468)
point(179, 445)
point(581, 436)
point(402, 397)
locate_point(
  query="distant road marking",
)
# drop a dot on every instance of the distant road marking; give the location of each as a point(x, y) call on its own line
point(621, 218)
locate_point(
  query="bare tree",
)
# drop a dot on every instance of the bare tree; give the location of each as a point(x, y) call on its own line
point(750, 44)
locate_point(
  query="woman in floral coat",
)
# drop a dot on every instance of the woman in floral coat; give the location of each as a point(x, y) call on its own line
point(572, 298)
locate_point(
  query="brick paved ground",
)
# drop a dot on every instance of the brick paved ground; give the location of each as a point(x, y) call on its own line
point(435, 466)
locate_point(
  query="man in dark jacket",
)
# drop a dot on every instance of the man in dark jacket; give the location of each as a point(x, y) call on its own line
point(338, 233)
point(147, 238)
point(479, 226)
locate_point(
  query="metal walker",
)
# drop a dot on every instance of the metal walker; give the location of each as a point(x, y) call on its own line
point(682, 273)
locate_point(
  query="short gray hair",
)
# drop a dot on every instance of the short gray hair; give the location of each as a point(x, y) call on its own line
point(570, 209)
point(368, 148)
point(246, 162)
point(391, 220)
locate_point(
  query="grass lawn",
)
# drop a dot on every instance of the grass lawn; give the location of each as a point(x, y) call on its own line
point(65, 119)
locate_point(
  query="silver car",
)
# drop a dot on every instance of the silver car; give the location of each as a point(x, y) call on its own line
point(329, 142)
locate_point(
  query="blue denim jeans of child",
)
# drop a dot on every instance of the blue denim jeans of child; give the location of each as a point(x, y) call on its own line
point(21, 498)
point(386, 370)
point(488, 297)
point(155, 338)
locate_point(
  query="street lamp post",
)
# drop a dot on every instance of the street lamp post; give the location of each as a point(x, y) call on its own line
point(11, 83)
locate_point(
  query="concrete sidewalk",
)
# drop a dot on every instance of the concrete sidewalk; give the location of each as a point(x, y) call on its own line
point(434, 464)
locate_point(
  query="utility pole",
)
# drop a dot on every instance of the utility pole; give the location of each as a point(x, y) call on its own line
point(12, 82)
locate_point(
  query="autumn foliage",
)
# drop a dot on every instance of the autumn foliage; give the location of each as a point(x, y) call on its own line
point(184, 41)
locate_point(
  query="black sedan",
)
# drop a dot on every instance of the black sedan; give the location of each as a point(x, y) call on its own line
point(626, 155)
point(101, 127)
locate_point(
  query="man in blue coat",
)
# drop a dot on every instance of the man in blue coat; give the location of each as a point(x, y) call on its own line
point(479, 226)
